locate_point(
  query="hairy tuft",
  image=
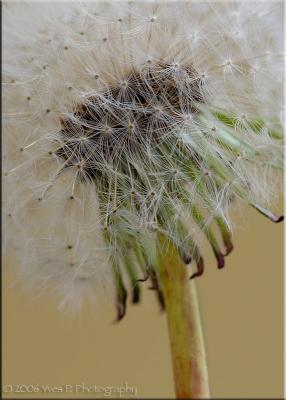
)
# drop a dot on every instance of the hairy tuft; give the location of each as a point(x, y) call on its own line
point(129, 121)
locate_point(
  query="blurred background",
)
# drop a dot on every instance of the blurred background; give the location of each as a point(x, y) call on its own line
point(242, 316)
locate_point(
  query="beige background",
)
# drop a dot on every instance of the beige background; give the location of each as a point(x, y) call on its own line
point(242, 312)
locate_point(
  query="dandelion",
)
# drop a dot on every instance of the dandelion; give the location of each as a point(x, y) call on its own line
point(129, 130)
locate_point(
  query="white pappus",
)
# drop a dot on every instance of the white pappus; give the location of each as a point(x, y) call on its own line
point(123, 120)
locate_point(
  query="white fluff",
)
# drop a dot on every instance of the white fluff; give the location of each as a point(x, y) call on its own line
point(57, 55)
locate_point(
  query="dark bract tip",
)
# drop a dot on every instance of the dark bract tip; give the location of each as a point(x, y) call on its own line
point(187, 259)
point(144, 279)
point(121, 306)
point(229, 248)
point(279, 219)
point(200, 269)
point(267, 213)
point(220, 259)
point(136, 295)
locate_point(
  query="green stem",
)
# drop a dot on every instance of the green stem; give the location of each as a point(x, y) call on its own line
point(185, 332)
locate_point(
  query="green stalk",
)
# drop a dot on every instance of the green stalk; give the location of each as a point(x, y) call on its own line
point(185, 332)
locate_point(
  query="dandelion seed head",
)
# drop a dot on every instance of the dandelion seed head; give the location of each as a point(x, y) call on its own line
point(126, 121)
